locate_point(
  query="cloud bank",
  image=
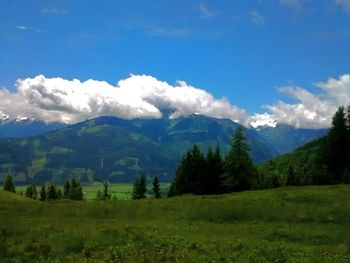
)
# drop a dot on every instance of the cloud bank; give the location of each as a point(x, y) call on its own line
point(139, 96)
point(142, 96)
point(310, 110)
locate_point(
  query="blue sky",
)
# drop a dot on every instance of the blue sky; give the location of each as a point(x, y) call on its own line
point(242, 50)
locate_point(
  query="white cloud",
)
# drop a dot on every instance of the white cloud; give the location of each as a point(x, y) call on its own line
point(25, 28)
point(139, 96)
point(345, 4)
point(310, 110)
point(257, 18)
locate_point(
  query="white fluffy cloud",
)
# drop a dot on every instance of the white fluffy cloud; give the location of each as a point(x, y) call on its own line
point(139, 96)
point(310, 110)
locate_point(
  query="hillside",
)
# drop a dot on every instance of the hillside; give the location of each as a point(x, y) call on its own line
point(108, 148)
point(300, 161)
point(312, 225)
point(285, 138)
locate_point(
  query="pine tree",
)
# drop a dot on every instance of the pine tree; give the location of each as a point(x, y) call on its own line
point(29, 191)
point(35, 192)
point(66, 190)
point(334, 152)
point(213, 172)
point(8, 184)
point(291, 176)
point(140, 188)
point(51, 192)
point(239, 170)
point(156, 187)
point(106, 194)
point(42, 193)
point(189, 177)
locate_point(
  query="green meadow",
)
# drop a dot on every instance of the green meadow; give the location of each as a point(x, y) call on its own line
point(293, 224)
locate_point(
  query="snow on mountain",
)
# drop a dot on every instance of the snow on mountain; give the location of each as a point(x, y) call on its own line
point(260, 121)
point(4, 117)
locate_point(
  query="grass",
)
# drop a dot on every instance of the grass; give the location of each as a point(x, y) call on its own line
point(294, 224)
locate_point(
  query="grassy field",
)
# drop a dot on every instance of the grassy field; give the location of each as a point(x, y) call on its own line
point(294, 224)
point(120, 191)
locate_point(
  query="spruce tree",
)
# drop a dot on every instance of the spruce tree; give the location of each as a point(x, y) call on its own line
point(29, 191)
point(51, 192)
point(212, 175)
point(66, 190)
point(189, 177)
point(42, 196)
point(9, 185)
point(333, 153)
point(139, 188)
point(239, 170)
point(35, 192)
point(156, 187)
point(106, 194)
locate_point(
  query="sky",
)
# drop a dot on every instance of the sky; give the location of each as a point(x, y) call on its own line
point(253, 61)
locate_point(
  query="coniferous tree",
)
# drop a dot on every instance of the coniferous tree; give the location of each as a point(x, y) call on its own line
point(239, 170)
point(333, 153)
point(156, 187)
point(106, 194)
point(291, 176)
point(213, 172)
point(189, 174)
point(66, 190)
point(51, 193)
point(42, 196)
point(9, 185)
point(59, 193)
point(139, 188)
point(34, 192)
point(29, 191)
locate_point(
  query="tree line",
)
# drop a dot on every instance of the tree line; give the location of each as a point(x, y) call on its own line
point(214, 173)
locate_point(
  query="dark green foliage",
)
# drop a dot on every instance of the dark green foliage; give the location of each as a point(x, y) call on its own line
point(189, 174)
point(213, 180)
point(156, 187)
point(139, 188)
point(240, 173)
point(75, 190)
point(59, 193)
point(334, 153)
point(105, 194)
point(43, 194)
point(8, 184)
point(66, 190)
point(31, 192)
point(51, 192)
point(323, 161)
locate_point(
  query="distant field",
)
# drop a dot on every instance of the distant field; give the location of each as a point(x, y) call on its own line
point(294, 224)
point(120, 191)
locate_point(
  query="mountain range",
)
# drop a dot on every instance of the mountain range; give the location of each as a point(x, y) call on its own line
point(109, 148)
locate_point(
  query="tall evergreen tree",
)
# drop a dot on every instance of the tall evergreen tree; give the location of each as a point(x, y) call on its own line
point(42, 196)
point(106, 194)
point(29, 191)
point(66, 190)
point(189, 174)
point(139, 188)
point(156, 187)
point(8, 184)
point(213, 172)
point(334, 152)
point(239, 170)
point(51, 192)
